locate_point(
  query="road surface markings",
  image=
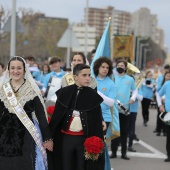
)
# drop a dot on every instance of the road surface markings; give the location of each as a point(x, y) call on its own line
point(154, 152)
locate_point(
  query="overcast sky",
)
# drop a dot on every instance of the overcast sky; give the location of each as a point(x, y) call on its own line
point(74, 9)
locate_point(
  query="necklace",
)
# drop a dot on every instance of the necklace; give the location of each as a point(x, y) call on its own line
point(13, 87)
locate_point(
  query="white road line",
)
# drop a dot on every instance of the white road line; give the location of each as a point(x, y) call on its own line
point(155, 153)
point(152, 149)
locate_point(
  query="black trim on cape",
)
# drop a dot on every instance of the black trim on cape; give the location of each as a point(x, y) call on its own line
point(87, 99)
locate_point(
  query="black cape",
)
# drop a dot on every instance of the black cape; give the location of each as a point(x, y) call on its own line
point(88, 103)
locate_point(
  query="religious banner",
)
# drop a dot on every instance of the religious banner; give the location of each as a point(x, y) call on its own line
point(123, 47)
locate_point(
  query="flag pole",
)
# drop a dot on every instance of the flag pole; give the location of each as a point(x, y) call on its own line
point(111, 39)
point(86, 29)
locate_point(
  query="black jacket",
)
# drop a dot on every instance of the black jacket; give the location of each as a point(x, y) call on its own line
point(87, 102)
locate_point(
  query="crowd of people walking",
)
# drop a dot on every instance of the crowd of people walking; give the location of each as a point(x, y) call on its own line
point(83, 109)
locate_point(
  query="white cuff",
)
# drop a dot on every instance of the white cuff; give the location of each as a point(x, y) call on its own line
point(106, 100)
point(158, 99)
point(134, 94)
point(139, 97)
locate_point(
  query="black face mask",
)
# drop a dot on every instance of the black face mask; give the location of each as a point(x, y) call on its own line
point(120, 70)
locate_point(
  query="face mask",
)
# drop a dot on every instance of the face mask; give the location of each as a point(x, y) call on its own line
point(148, 81)
point(120, 70)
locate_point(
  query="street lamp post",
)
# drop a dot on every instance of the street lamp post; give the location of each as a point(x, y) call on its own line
point(69, 46)
point(13, 29)
point(86, 28)
point(140, 54)
point(1, 13)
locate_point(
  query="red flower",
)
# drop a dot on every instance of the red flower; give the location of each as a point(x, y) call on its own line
point(94, 146)
point(50, 110)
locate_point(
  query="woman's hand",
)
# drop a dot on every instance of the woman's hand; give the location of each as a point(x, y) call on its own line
point(48, 145)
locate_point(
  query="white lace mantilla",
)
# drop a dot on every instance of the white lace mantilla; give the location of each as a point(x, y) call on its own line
point(25, 94)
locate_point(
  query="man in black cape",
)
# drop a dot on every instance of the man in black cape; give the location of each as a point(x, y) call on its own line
point(77, 116)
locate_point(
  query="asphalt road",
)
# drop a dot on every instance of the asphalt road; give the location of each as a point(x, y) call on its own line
point(151, 150)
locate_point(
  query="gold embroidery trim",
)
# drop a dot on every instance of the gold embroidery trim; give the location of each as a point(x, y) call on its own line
point(69, 79)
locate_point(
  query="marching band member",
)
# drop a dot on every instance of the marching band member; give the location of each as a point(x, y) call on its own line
point(159, 123)
point(165, 89)
point(106, 89)
point(147, 91)
point(30, 60)
point(124, 85)
point(105, 86)
point(56, 71)
point(160, 78)
point(131, 71)
point(44, 72)
point(132, 120)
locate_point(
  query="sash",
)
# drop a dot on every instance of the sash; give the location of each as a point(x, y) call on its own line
point(23, 117)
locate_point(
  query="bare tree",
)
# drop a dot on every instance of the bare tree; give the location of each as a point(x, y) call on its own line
point(40, 38)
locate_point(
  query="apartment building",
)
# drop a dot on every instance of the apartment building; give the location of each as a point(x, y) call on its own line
point(79, 30)
point(98, 18)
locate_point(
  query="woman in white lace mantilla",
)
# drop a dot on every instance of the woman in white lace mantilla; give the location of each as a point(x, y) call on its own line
point(25, 138)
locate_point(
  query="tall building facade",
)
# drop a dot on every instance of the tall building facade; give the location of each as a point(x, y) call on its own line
point(139, 23)
point(121, 22)
point(160, 37)
point(98, 18)
point(144, 24)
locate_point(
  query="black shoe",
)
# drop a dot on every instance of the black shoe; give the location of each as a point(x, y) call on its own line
point(167, 160)
point(164, 134)
point(136, 139)
point(131, 149)
point(145, 124)
point(158, 134)
point(125, 157)
point(113, 156)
